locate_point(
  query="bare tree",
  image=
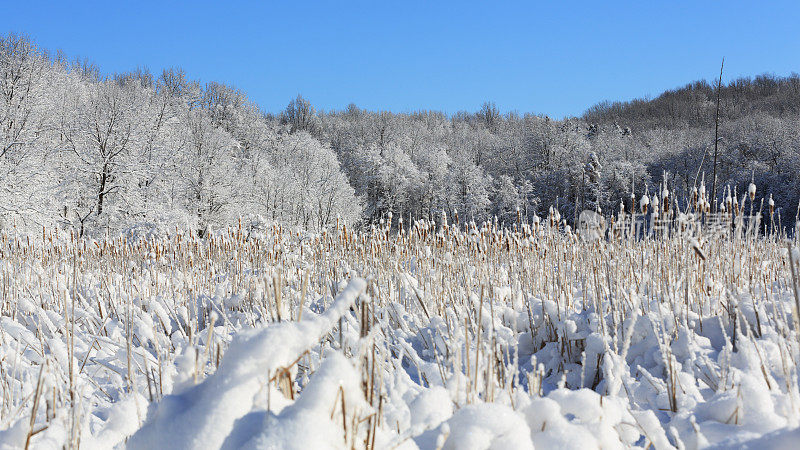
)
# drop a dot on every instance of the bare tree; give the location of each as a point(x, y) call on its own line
point(299, 115)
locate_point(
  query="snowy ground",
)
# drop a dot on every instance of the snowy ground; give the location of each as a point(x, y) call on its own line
point(433, 338)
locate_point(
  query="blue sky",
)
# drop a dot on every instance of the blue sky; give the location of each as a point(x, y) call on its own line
point(555, 58)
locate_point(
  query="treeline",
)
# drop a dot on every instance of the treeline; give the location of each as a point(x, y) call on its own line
point(694, 104)
point(100, 153)
point(487, 164)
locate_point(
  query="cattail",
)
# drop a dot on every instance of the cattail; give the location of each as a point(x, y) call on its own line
point(752, 191)
point(728, 199)
point(702, 193)
point(633, 203)
point(644, 203)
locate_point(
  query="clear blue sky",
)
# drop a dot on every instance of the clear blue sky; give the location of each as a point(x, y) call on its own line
point(546, 57)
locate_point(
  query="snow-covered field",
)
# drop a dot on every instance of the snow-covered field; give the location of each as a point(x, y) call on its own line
point(430, 337)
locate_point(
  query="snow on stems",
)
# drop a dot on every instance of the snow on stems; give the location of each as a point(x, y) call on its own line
point(432, 338)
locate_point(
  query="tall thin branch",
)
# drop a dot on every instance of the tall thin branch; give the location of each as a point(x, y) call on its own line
point(716, 135)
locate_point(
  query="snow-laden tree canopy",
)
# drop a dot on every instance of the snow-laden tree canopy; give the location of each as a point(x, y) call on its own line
point(104, 153)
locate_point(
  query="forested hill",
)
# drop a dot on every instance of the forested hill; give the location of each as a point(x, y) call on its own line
point(695, 103)
point(97, 152)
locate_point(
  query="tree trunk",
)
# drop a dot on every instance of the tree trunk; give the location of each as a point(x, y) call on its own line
point(101, 194)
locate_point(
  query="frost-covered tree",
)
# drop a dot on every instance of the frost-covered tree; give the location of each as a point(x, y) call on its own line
point(102, 140)
point(26, 96)
point(206, 170)
point(313, 190)
point(507, 199)
point(471, 188)
point(593, 188)
point(299, 115)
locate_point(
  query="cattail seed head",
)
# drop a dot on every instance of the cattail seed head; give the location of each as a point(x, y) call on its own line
point(771, 205)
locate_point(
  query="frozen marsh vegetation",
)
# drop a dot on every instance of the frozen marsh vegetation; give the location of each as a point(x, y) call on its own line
point(430, 336)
